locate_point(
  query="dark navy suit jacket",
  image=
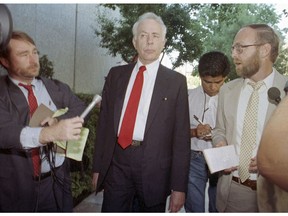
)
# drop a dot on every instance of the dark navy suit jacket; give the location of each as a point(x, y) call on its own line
point(17, 188)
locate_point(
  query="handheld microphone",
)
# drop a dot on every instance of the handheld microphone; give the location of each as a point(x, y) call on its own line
point(286, 88)
point(96, 99)
point(274, 94)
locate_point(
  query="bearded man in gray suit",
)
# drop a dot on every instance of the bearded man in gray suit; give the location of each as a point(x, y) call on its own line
point(254, 51)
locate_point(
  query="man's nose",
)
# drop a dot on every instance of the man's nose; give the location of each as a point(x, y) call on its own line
point(150, 39)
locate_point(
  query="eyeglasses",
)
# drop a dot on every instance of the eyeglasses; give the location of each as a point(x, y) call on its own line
point(239, 48)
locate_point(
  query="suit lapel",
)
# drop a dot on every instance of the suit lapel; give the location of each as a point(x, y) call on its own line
point(55, 94)
point(232, 105)
point(121, 81)
point(235, 94)
point(19, 101)
point(161, 84)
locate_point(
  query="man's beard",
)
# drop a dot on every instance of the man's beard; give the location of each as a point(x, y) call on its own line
point(251, 69)
point(31, 71)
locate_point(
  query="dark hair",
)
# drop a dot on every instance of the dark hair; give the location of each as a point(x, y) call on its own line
point(265, 34)
point(16, 35)
point(214, 64)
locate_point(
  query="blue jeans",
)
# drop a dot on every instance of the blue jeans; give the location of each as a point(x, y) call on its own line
point(198, 177)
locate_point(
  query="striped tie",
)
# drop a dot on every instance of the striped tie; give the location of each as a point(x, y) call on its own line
point(33, 106)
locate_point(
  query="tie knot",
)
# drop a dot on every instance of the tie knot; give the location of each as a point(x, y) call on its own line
point(256, 86)
point(142, 68)
point(28, 87)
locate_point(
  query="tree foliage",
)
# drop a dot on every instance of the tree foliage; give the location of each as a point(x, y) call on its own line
point(46, 67)
point(192, 29)
point(222, 21)
point(116, 33)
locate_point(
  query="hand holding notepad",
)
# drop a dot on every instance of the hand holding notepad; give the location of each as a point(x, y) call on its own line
point(221, 158)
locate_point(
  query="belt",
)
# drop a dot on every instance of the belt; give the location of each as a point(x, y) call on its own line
point(45, 175)
point(136, 143)
point(42, 176)
point(248, 183)
point(19, 152)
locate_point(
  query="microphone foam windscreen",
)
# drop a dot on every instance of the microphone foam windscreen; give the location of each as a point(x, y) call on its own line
point(274, 93)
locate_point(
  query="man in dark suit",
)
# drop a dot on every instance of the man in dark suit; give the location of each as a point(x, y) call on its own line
point(156, 162)
point(22, 189)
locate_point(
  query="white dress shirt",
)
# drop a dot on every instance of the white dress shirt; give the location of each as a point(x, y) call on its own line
point(245, 94)
point(145, 99)
point(29, 136)
point(204, 107)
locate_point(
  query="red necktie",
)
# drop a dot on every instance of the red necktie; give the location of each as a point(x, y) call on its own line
point(33, 106)
point(128, 122)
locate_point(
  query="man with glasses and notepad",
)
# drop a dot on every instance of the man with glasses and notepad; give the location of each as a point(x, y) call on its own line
point(213, 69)
point(243, 110)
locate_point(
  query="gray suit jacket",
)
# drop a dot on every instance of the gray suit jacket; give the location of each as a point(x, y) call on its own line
point(17, 188)
point(225, 126)
point(166, 138)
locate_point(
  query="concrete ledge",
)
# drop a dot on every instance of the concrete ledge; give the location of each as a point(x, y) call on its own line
point(92, 203)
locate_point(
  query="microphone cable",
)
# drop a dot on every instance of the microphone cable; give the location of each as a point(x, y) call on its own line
point(50, 156)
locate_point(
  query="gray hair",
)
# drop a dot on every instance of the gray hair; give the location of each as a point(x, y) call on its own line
point(149, 15)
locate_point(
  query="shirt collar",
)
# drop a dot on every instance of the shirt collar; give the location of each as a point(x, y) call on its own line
point(150, 67)
point(268, 81)
point(16, 82)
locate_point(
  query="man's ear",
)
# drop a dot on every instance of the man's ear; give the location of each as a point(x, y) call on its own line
point(134, 42)
point(4, 62)
point(164, 43)
point(266, 49)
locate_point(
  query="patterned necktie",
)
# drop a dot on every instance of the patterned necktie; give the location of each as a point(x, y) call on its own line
point(248, 139)
point(128, 122)
point(33, 106)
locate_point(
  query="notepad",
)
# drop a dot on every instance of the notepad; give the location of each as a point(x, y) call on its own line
point(73, 149)
point(221, 158)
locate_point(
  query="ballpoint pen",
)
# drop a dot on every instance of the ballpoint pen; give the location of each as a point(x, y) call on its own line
point(199, 121)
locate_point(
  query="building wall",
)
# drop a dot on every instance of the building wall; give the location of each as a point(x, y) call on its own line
point(65, 33)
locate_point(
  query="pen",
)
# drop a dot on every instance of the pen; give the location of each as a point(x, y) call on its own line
point(199, 121)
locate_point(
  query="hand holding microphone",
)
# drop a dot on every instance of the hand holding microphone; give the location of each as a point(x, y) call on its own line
point(67, 129)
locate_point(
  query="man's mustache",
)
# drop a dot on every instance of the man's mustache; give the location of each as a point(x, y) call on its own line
point(34, 66)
